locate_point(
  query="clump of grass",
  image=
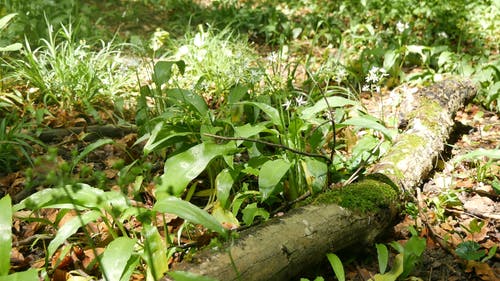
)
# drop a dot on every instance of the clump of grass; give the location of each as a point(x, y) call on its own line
point(215, 62)
point(72, 74)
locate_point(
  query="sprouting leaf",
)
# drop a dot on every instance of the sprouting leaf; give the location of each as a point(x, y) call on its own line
point(397, 269)
point(383, 257)
point(322, 104)
point(251, 211)
point(155, 253)
point(115, 257)
point(337, 266)
point(469, 250)
point(223, 184)
point(189, 212)
point(182, 168)
point(368, 123)
point(270, 175)
point(188, 276)
point(5, 234)
point(28, 275)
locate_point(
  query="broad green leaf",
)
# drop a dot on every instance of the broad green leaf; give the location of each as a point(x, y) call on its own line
point(28, 275)
point(270, 111)
point(323, 104)
point(225, 217)
point(369, 123)
point(390, 58)
point(155, 253)
point(188, 98)
point(337, 266)
point(251, 211)
point(163, 71)
point(383, 257)
point(182, 168)
point(270, 175)
point(115, 257)
point(11, 47)
point(69, 196)
point(397, 269)
point(189, 212)
point(249, 130)
point(5, 234)
point(223, 184)
point(5, 20)
point(70, 228)
point(160, 138)
point(91, 147)
point(316, 173)
point(188, 276)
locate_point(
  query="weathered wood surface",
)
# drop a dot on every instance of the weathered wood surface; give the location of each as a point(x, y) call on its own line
point(286, 246)
point(93, 132)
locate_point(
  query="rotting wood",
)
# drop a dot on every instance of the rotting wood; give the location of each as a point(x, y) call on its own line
point(286, 246)
point(93, 132)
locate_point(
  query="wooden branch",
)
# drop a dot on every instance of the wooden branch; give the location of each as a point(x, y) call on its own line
point(285, 246)
point(94, 132)
point(284, 147)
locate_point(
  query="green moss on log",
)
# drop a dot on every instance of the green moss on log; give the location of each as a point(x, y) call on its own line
point(367, 196)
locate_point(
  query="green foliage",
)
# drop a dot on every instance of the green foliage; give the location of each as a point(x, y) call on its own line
point(188, 212)
point(15, 143)
point(70, 73)
point(3, 23)
point(411, 252)
point(337, 266)
point(5, 234)
point(469, 250)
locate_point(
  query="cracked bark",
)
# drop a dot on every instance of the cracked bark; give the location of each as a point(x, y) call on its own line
point(285, 246)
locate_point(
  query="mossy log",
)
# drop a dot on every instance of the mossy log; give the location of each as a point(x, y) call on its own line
point(285, 246)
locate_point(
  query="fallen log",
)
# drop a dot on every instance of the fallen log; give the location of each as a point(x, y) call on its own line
point(285, 246)
point(92, 132)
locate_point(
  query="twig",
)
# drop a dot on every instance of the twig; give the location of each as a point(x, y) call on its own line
point(272, 144)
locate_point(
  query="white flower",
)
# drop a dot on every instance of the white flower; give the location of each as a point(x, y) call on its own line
point(199, 39)
point(375, 75)
point(442, 34)
point(273, 57)
point(401, 27)
point(366, 88)
point(287, 104)
point(300, 101)
point(183, 50)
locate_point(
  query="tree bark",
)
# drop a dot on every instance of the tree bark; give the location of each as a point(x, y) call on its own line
point(285, 246)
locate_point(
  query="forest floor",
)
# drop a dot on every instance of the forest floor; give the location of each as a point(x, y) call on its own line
point(460, 202)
